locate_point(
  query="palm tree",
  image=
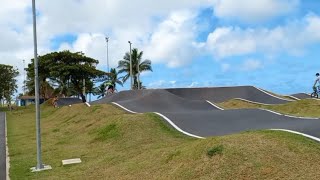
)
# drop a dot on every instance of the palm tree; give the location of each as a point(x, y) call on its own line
point(124, 66)
point(100, 90)
point(114, 79)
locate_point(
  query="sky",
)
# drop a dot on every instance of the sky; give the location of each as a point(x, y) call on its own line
point(271, 44)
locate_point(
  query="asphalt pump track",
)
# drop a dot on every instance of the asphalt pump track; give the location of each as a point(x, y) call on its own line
point(188, 109)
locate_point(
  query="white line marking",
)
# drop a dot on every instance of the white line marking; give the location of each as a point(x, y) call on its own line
point(295, 132)
point(177, 128)
point(271, 94)
point(271, 111)
point(164, 117)
point(7, 148)
point(293, 97)
point(252, 101)
point(124, 108)
point(216, 106)
point(299, 117)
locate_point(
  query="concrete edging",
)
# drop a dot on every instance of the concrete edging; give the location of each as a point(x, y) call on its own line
point(214, 105)
point(195, 136)
point(165, 118)
point(292, 97)
point(272, 94)
point(297, 117)
point(299, 133)
point(253, 101)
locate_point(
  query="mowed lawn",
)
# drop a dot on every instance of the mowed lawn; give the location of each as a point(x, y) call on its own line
point(303, 108)
point(116, 145)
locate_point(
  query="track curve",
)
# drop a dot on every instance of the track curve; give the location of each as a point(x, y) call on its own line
point(198, 117)
point(221, 94)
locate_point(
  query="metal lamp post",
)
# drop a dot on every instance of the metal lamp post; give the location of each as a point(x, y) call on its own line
point(138, 75)
point(107, 40)
point(131, 66)
point(24, 78)
point(39, 166)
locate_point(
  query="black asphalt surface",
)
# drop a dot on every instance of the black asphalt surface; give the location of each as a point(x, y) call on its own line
point(163, 101)
point(188, 109)
point(301, 95)
point(68, 101)
point(2, 147)
point(221, 94)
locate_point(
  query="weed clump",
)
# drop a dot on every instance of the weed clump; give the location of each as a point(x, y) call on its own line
point(215, 150)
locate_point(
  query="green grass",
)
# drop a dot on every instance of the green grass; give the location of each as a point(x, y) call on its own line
point(303, 108)
point(113, 144)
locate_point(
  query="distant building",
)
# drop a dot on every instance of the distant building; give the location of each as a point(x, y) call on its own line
point(27, 100)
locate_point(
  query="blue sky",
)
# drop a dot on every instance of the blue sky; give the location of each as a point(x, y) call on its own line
point(271, 44)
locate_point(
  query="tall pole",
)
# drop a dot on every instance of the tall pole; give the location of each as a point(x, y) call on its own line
point(36, 78)
point(24, 78)
point(138, 75)
point(131, 66)
point(107, 40)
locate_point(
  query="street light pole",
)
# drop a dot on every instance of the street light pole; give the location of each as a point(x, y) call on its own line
point(107, 40)
point(138, 75)
point(39, 166)
point(39, 161)
point(130, 66)
point(24, 77)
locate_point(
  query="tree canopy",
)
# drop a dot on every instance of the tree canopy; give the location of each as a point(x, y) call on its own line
point(8, 82)
point(64, 71)
point(136, 57)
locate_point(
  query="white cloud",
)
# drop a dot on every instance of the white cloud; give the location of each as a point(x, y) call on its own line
point(162, 84)
point(291, 38)
point(193, 84)
point(253, 10)
point(251, 64)
point(173, 42)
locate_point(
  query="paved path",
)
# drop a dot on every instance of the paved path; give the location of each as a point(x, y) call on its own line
point(188, 109)
point(2, 147)
point(68, 101)
point(221, 94)
point(301, 95)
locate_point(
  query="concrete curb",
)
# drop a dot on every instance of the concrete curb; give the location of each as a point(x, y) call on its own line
point(297, 117)
point(292, 97)
point(176, 127)
point(199, 137)
point(214, 105)
point(272, 94)
point(253, 101)
point(124, 108)
point(165, 118)
point(299, 133)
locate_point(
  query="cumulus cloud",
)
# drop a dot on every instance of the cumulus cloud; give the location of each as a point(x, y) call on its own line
point(253, 10)
point(291, 38)
point(162, 84)
point(173, 43)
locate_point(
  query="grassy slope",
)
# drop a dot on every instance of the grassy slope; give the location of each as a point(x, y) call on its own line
point(116, 145)
point(306, 107)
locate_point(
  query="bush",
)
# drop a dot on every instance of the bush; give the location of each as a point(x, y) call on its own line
point(215, 150)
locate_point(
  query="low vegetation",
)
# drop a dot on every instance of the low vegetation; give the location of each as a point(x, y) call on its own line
point(113, 144)
point(303, 108)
